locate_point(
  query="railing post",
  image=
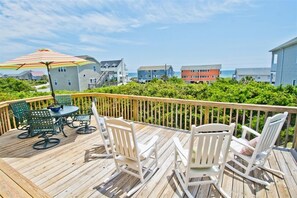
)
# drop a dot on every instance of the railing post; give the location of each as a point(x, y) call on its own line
point(135, 109)
point(8, 118)
point(206, 115)
point(295, 136)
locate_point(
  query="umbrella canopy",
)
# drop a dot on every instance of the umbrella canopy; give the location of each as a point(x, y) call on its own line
point(44, 58)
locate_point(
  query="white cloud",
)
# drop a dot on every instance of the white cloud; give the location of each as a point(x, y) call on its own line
point(67, 23)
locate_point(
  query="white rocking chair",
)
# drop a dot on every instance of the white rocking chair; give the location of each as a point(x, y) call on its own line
point(103, 133)
point(260, 152)
point(206, 157)
point(129, 154)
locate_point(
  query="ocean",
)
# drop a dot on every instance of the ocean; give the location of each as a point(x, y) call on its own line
point(224, 74)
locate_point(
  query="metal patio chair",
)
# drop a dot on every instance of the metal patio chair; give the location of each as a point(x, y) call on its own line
point(41, 122)
point(20, 111)
point(64, 100)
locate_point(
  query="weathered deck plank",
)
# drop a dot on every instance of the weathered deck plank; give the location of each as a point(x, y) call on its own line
point(68, 170)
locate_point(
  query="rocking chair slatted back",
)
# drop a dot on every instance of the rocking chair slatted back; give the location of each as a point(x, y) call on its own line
point(270, 132)
point(206, 148)
point(123, 138)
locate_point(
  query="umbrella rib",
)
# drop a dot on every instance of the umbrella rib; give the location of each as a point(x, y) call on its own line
point(21, 66)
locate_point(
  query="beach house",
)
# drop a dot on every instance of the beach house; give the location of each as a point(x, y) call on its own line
point(284, 63)
point(200, 73)
point(147, 73)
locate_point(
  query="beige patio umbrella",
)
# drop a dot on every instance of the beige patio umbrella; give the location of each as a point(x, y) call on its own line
point(44, 58)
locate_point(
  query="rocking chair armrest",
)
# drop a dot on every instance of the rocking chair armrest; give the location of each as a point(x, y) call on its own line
point(151, 143)
point(239, 142)
point(179, 148)
point(247, 129)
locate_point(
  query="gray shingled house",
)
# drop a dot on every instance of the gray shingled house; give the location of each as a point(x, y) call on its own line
point(76, 78)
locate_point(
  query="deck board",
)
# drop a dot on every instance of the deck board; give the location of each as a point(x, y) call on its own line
point(69, 170)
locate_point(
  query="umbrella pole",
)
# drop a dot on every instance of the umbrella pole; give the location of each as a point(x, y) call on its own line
point(50, 81)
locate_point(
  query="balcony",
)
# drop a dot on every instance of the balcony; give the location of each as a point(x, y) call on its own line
point(68, 170)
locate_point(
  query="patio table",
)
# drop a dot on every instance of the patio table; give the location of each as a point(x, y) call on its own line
point(64, 112)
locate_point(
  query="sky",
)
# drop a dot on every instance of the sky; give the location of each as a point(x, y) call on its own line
point(234, 33)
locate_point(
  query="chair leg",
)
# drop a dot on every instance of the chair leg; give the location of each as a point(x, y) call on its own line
point(182, 183)
point(259, 181)
point(220, 189)
point(136, 188)
point(276, 172)
point(46, 143)
point(86, 129)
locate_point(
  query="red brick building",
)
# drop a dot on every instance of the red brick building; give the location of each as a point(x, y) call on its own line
point(200, 73)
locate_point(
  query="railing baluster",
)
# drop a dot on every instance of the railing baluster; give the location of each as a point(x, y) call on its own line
point(287, 130)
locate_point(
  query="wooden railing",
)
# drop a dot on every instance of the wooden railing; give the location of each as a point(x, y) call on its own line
point(173, 113)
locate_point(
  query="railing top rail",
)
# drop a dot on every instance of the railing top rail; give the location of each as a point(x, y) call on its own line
point(263, 107)
point(33, 99)
point(171, 100)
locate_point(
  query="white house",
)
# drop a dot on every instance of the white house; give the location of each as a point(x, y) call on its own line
point(116, 70)
point(284, 63)
point(261, 74)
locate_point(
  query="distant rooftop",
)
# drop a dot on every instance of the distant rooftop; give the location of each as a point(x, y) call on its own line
point(285, 45)
point(89, 58)
point(111, 63)
point(37, 73)
point(253, 71)
point(196, 67)
point(158, 67)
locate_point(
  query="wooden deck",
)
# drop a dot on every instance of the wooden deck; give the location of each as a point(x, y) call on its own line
point(67, 170)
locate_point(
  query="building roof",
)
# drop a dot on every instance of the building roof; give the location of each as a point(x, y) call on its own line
point(159, 67)
point(37, 73)
point(285, 45)
point(253, 71)
point(111, 63)
point(198, 67)
point(89, 58)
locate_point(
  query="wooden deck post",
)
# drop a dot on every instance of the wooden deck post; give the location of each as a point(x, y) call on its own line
point(135, 110)
point(206, 115)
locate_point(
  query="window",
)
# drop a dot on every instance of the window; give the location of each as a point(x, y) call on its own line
point(61, 69)
point(294, 82)
point(92, 80)
point(56, 83)
point(94, 68)
point(69, 82)
point(275, 56)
